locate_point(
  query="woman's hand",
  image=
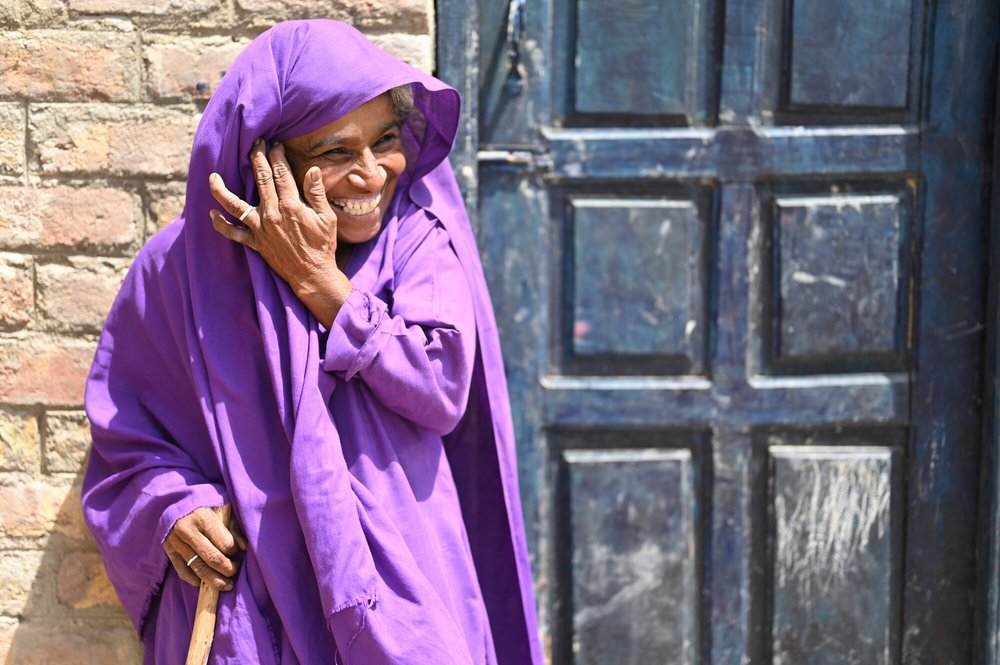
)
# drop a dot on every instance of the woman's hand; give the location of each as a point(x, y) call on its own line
point(298, 241)
point(202, 533)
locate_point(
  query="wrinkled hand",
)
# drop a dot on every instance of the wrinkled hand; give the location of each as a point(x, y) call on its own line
point(298, 239)
point(203, 533)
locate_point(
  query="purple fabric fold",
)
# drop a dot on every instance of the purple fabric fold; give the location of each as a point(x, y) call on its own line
point(210, 385)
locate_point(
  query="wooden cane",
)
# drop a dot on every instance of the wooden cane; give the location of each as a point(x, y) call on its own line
point(203, 631)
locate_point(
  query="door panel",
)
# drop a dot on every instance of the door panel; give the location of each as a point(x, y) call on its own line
point(849, 54)
point(627, 568)
point(653, 43)
point(835, 506)
point(835, 560)
point(737, 257)
point(614, 320)
point(633, 63)
point(836, 277)
point(842, 62)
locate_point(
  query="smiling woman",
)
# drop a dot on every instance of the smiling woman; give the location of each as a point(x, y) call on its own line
point(323, 359)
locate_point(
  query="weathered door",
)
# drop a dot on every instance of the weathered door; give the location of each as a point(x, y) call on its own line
point(738, 255)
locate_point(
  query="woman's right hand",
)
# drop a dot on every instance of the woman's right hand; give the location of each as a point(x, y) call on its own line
point(296, 238)
point(203, 533)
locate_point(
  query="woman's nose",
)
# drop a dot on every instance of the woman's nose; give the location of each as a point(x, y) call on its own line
point(368, 173)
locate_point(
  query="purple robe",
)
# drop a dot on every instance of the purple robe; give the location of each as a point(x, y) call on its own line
point(371, 466)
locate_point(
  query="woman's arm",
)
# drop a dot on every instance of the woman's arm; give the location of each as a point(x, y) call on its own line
point(140, 483)
point(417, 356)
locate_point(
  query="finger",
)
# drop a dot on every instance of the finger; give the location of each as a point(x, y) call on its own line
point(284, 181)
point(203, 546)
point(219, 534)
point(180, 565)
point(212, 555)
point(265, 181)
point(207, 550)
point(315, 193)
point(198, 568)
point(210, 576)
point(235, 233)
point(231, 203)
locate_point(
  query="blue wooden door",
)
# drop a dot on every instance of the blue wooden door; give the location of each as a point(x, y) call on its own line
point(738, 252)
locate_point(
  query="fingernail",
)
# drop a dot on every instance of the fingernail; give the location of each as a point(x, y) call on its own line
point(228, 587)
point(211, 178)
point(315, 175)
point(258, 142)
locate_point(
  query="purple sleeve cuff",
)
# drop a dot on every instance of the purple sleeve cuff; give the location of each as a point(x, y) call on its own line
point(352, 344)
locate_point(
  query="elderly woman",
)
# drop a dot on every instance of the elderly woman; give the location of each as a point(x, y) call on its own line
point(325, 360)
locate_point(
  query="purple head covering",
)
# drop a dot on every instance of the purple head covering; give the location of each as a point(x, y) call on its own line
point(206, 388)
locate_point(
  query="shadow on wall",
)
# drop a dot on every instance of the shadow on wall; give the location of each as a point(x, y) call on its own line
point(58, 605)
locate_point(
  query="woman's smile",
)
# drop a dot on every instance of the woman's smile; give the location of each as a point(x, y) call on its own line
point(358, 207)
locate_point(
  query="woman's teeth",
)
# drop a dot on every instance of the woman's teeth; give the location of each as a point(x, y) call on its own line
point(358, 206)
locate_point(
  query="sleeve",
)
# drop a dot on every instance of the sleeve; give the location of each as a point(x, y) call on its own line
point(417, 355)
point(139, 480)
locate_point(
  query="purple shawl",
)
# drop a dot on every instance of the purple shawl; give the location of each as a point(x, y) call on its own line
point(207, 388)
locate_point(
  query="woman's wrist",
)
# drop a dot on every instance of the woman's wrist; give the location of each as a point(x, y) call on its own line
point(324, 293)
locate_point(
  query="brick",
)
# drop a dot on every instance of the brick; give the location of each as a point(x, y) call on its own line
point(37, 509)
point(83, 582)
point(11, 138)
point(63, 217)
point(44, 370)
point(186, 69)
point(416, 16)
point(265, 13)
point(129, 7)
point(166, 203)
point(48, 642)
point(19, 442)
point(16, 14)
point(11, 13)
point(17, 291)
point(417, 50)
point(404, 15)
point(78, 294)
point(69, 65)
point(67, 441)
point(160, 15)
point(18, 571)
point(106, 139)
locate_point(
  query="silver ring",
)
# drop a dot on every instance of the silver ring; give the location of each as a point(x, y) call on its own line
point(246, 213)
point(189, 561)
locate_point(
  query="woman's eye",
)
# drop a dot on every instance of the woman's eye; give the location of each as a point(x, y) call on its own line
point(386, 139)
point(335, 153)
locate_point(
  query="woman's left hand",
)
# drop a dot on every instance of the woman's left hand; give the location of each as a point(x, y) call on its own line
point(297, 240)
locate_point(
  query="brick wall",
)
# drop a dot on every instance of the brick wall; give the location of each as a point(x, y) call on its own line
point(99, 100)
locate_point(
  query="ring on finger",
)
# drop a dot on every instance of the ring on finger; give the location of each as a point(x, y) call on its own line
point(190, 561)
point(246, 213)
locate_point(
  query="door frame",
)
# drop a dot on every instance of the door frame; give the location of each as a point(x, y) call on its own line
point(988, 611)
point(457, 63)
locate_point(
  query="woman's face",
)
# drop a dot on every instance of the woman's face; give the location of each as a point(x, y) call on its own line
point(360, 157)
